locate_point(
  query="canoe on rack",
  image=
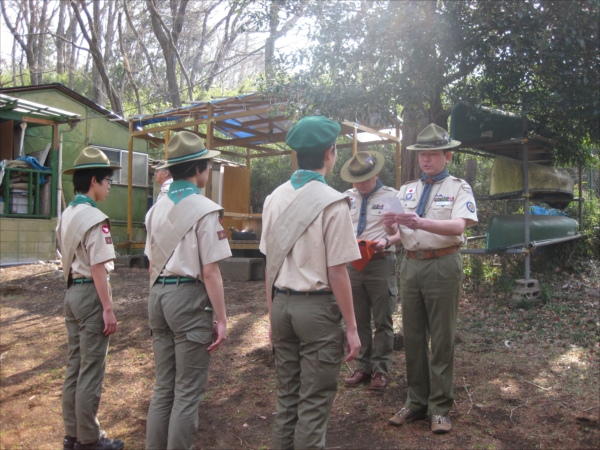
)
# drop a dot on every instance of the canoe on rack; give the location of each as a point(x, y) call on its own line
point(509, 230)
point(546, 183)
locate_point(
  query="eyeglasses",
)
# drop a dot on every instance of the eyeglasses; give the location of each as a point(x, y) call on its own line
point(108, 180)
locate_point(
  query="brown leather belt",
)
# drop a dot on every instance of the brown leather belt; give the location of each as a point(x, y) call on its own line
point(429, 254)
point(379, 255)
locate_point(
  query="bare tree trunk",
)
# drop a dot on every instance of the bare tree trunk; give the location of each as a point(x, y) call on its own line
point(60, 43)
point(97, 96)
point(128, 69)
point(41, 41)
point(94, 48)
point(168, 43)
point(413, 123)
point(72, 51)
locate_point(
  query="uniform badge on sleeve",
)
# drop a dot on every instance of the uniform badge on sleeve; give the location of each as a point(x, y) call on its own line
point(471, 206)
point(221, 235)
point(105, 229)
point(108, 239)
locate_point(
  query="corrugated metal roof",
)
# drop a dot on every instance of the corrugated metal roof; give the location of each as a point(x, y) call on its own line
point(27, 108)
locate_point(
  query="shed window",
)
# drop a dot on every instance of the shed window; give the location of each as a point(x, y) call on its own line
point(140, 166)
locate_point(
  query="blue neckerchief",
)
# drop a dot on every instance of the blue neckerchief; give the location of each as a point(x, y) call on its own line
point(427, 189)
point(300, 177)
point(180, 189)
point(80, 199)
point(362, 219)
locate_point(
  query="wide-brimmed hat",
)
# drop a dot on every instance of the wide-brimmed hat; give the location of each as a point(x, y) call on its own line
point(313, 134)
point(362, 166)
point(91, 158)
point(433, 137)
point(185, 147)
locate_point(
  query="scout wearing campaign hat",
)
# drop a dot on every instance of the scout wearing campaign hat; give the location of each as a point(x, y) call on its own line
point(91, 158)
point(433, 137)
point(431, 258)
point(313, 134)
point(362, 166)
point(185, 147)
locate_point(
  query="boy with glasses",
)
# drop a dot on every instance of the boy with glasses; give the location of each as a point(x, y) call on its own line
point(84, 238)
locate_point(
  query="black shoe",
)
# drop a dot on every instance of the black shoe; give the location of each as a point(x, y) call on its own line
point(69, 442)
point(102, 444)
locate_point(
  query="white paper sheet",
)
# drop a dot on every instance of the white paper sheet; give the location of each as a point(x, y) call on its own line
point(392, 204)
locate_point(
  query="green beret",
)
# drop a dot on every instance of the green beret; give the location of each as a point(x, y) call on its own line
point(313, 134)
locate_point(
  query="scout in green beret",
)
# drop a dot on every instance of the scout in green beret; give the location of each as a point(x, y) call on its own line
point(84, 238)
point(185, 242)
point(437, 209)
point(308, 239)
point(374, 288)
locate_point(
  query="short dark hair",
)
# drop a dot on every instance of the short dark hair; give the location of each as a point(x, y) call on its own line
point(312, 161)
point(82, 178)
point(188, 169)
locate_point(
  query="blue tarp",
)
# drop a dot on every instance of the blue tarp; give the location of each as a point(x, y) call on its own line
point(36, 165)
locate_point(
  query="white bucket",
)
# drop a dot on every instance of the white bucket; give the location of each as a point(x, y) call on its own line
point(19, 203)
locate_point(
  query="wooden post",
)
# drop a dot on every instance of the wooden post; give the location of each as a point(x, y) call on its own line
point(130, 185)
point(398, 159)
point(210, 127)
point(167, 139)
point(294, 162)
point(355, 141)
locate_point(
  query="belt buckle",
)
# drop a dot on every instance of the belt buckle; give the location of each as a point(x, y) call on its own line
point(420, 255)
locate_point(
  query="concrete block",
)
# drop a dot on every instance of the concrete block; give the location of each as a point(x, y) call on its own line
point(28, 225)
point(7, 248)
point(7, 224)
point(28, 236)
point(242, 269)
point(9, 236)
point(28, 247)
point(46, 247)
point(527, 293)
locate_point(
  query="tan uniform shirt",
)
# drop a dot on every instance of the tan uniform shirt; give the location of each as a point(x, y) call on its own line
point(205, 243)
point(450, 198)
point(328, 241)
point(164, 189)
point(374, 229)
point(95, 247)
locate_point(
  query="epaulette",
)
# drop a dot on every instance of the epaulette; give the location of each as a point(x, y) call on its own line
point(409, 182)
point(387, 188)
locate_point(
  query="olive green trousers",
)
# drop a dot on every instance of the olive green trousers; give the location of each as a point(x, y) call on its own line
point(430, 290)
point(308, 339)
point(375, 291)
point(182, 330)
point(86, 362)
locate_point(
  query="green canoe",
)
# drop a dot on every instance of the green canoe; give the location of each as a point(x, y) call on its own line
point(509, 230)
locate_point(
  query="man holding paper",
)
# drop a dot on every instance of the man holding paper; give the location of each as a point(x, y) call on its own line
point(438, 208)
point(373, 278)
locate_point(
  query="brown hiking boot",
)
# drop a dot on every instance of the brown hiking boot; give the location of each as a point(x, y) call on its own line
point(440, 424)
point(379, 381)
point(357, 378)
point(405, 415)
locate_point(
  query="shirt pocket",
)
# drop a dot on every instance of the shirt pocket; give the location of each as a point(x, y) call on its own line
point(377, 212)
point(441, 211)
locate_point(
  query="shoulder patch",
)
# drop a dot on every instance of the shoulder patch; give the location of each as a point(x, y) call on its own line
point(471, 206)
point(105, 229)
point(221, 235)
point(108, 239)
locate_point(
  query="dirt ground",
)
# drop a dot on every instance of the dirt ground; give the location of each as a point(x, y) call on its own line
point(523, 378)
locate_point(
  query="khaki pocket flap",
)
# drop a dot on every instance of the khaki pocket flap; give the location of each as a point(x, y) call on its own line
point(200, 337)
point(331, 355)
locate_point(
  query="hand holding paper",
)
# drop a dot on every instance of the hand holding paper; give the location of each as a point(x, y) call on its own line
point(393, 205)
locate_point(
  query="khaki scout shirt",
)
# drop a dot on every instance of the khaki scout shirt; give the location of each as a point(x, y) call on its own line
point(205, 243)
point(328, 241)
point(374, 229)
point(450, 198)
point(95, 247)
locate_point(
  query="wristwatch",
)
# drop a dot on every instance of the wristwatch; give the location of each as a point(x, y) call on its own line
point(388, 243)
